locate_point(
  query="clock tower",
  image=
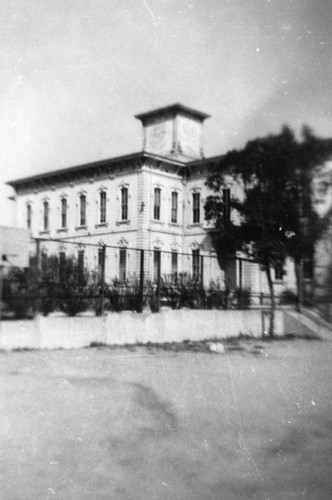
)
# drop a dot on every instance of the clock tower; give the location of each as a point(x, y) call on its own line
point(174, 131)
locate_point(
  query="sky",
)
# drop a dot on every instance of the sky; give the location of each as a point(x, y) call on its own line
point(74, 72)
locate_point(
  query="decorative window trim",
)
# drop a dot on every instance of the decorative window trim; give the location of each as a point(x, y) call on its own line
point(121, 187)
point(102, 206)
point(65, 214)
point(157, 207)
point(79, 195)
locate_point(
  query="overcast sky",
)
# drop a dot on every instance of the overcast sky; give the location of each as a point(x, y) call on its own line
point(74, 72)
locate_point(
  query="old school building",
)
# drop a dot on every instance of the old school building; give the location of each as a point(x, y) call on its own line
point(152, 200)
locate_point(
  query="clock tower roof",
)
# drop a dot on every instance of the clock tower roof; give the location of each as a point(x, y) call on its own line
point(176, 108)
point(174, 131)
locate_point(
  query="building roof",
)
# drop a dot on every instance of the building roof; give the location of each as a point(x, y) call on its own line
point(97, 164)
point(172, 108)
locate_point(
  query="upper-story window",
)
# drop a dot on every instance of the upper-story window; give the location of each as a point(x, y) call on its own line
point(82, 210)
point(278, 272)
point(157, 202)
point(46, 215)
point(196, 207)
point(226, 199)
point(63, 213)
point(174, 215)
point(29, 215)
point(124, 203)
point(102, 207)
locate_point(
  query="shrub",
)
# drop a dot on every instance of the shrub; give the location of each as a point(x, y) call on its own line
point(18, 293)
point(288, 296)
point(73, 289)
point(242, 298)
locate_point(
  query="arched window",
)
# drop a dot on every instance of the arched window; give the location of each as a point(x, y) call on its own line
point(29, 215)
point(124, 203)
point(63, 213)
point(82, 210)
point(157, 203)
point(174, 215)
point(46, 213)
point(102, 207)
point(196, 207)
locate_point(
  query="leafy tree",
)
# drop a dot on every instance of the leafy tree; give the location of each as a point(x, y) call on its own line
point(273, 201)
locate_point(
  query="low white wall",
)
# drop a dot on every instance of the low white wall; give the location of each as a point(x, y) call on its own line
point(129, 328)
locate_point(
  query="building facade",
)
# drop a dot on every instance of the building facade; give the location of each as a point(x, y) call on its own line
point(152, 200)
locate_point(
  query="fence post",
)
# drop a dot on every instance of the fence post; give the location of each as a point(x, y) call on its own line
point(141, 282)
point(240, 284)
point(158, 283)
point(299, 272)
point(35, 278)
point(102, 279)
point(202, 282)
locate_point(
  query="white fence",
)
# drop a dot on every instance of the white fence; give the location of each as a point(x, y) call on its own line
point(63, 332)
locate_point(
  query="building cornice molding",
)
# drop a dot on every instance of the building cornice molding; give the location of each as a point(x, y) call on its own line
point(94, 171)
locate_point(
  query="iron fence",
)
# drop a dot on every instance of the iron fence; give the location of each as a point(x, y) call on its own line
point(74, 276)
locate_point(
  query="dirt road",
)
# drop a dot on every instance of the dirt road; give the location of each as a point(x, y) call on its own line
point(152, 424)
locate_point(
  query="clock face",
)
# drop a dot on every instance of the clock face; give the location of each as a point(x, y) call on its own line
point(190, 137)
point(158, 138)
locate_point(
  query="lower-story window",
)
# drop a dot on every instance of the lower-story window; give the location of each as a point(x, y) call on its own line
point(174, 264)
point(196, 264)
point(123, 264)
point(80, 259)
point(156, 265)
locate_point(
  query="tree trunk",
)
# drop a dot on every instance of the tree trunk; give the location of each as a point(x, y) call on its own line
point(273, 302)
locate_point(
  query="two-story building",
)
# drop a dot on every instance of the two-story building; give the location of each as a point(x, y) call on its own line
point(151, 200)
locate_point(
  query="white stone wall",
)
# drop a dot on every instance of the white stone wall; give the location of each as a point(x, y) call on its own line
point(131, 328)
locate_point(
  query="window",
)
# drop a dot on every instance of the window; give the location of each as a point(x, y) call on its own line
point(80, 265)
point(156, 207)
point(195, 264)
point(102, 207)
point(174, 264)
point(308, 269)
point(226, 198)
point(46, 215)
point(196, 207)
point(156, 264)
point(44, 260)
point(122, 264)
point(101, 259)
point(174, 216)
point(82, 210)
point(124, 203)
point(62, 265)
point(63, 213)
point(278, 272)
point(29, 215)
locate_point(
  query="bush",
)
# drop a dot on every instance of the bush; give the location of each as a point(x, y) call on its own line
point(289, 297)
point(242, 298)
point(74, 294)
point(18, 293)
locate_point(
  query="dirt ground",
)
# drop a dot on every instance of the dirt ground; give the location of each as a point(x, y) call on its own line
point(145, 423)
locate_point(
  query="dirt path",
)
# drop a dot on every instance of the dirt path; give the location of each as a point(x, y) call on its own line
point(149, 424)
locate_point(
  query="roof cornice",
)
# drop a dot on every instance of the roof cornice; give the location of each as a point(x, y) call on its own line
point(98, 166)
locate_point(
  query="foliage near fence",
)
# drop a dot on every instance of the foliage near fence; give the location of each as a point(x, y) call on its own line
point(71, 288)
